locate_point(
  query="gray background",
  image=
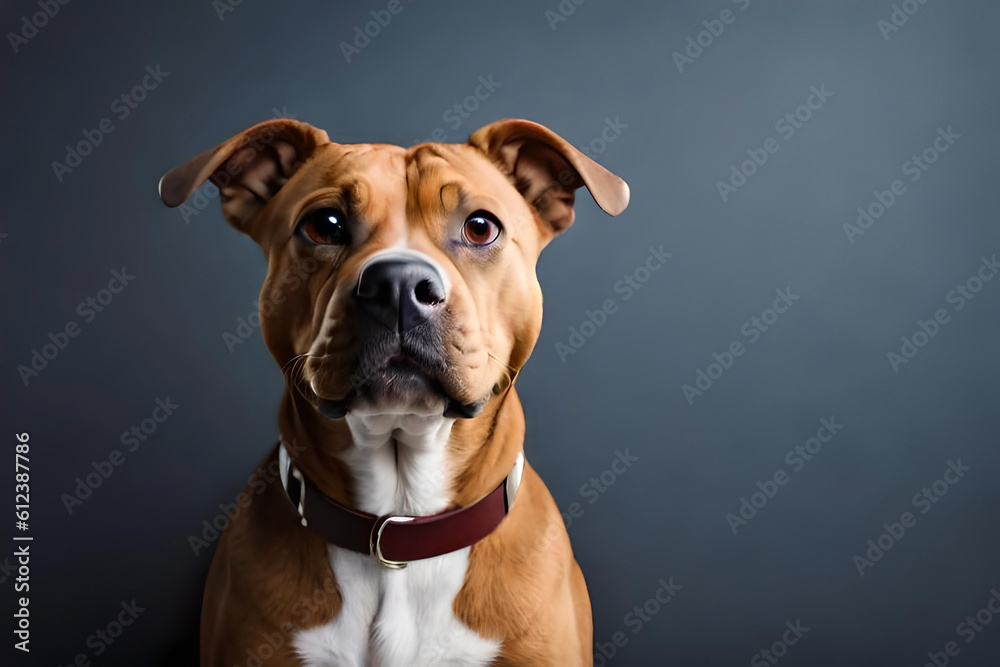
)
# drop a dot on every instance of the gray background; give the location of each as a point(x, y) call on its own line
point(665, 516)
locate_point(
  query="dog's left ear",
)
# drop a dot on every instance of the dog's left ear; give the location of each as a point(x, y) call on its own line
point(248, 168)
point(546, 169)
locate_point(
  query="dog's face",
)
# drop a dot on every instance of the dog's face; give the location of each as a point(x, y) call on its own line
point(399, 280)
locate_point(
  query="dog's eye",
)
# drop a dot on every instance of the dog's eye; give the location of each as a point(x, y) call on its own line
point(325, 226)
point(481, 228)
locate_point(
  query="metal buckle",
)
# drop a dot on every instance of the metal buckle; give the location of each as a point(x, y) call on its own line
point(375, 541)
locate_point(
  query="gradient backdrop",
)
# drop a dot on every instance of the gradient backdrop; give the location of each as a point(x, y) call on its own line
point(675, 118)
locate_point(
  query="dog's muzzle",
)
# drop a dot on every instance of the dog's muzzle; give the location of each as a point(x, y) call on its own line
point(399, 313)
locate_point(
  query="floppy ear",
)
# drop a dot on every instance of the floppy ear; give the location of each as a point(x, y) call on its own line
point(248, 169)
point(546, 169)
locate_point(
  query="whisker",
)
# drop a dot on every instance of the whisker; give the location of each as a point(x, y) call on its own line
point(293, 372)
point(293, 360)
point(511, 373)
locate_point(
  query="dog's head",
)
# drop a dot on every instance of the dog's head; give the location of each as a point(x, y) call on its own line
point(399, 280)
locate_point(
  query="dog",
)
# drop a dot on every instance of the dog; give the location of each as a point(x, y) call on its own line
point(394, 538)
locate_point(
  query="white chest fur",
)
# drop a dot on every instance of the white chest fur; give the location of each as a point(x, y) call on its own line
point(397, 618)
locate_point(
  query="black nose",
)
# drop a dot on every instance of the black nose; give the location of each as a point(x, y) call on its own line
point(401, 294)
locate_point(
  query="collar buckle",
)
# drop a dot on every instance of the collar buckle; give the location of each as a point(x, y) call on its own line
point(375, 541)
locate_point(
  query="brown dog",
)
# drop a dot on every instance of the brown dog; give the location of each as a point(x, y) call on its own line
point(394, 538)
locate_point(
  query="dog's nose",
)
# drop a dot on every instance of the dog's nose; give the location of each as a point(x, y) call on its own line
point(401, 294)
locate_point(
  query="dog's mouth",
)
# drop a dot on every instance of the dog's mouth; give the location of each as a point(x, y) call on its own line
point(403, 362)
point(399, 375)
point(389, 363)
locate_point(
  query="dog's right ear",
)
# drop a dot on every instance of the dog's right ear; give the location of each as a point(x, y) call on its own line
point(546, 169)
point(248, 169)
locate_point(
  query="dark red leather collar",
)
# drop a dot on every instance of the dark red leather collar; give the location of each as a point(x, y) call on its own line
point(395, 540)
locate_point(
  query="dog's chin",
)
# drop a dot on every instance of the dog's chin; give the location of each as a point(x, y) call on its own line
point(398, 387)
point(401, 387)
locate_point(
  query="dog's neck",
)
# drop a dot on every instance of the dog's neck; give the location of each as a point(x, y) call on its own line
point(399, 463)
point(415, 465)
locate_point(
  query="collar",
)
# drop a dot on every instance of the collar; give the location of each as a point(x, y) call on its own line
point(394, 540)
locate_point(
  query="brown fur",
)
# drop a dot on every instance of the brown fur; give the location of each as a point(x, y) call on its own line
point(271, 577)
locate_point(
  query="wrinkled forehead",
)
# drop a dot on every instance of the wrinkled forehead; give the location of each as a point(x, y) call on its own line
point(448, 179)
point(409, 189)
point(448, 175)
